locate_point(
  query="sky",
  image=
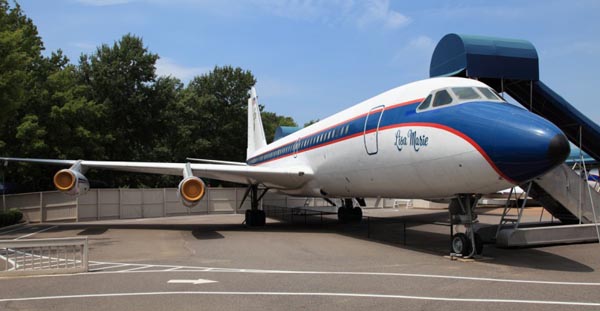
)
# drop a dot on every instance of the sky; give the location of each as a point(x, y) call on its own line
point(312, 58)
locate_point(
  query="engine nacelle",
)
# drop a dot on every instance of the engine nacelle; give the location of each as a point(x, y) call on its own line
point(71, 182)
point(191, 190)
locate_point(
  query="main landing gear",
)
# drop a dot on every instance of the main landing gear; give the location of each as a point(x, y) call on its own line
point(468, 243)
point(348, 213)
point(254, 216)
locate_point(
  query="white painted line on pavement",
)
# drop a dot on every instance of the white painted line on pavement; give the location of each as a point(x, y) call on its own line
point(30, 234)
point(300, 272)
point(172, 269)
point(303, 294)
point(195, 282)
point(138, 268)
point(110, 267)
point(391, 274)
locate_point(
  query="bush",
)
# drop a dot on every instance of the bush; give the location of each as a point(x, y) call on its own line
point(17, 214)
point(11, 217)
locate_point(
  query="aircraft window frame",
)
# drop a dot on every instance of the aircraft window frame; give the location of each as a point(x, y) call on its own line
point(456, 90)
point(426, 103)
point(455, 99)
point(434, 104)
point(495, 96)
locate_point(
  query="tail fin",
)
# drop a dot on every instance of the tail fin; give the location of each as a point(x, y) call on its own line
point(256, 132)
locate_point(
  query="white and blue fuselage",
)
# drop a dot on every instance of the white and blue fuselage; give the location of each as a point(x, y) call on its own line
point(434, 138)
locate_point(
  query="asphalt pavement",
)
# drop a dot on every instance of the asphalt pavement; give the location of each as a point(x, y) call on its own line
point(396, 260)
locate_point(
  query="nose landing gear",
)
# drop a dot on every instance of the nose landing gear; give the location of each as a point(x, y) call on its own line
point(465, 244)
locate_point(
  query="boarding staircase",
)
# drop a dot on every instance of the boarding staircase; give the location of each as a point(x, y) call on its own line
point(566, 195)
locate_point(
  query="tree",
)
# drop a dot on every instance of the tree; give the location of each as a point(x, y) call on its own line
point(20, 53)
point(311, 122)
point(272, 120)
point(112, 106)
point(219, 100)
point(121, 79)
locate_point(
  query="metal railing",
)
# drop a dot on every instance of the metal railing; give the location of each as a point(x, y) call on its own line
point(43, 256)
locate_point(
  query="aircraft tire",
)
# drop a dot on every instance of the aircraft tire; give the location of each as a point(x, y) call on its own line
point(357, 214)
point(460, 244)
point(478, 244)
point(262, 218)
point(255, 218)
point(343, 214)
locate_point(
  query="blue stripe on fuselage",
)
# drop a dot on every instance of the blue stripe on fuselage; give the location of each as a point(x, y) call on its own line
point(500, 129)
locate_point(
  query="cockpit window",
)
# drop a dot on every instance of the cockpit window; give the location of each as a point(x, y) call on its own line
point(458, 95)
point(442, 98)
point(489, 94)
point(466, 93)
point(425, 104)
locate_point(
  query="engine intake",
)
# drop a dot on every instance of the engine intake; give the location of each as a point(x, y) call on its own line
point(191, 190)
point(71, 182)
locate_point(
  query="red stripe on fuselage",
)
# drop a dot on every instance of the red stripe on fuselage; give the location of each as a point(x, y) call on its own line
point(459, 134)
point(410, 102)
point(398, 125)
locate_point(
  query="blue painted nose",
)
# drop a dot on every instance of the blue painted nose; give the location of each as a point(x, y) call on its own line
point(527, 145)
point(559, 149)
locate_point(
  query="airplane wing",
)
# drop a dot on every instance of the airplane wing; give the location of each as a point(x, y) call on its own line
point(278, 178)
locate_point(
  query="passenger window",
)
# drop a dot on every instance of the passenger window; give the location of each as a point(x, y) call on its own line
point(442, 98)
point(489, 94)
point(465, 93)
point(425, 104)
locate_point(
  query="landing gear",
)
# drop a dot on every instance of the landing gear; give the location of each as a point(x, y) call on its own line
point(254, 216)
point(347, 213)
point(469, 243)
point(461, 245)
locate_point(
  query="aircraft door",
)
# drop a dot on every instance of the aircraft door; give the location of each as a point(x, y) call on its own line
point(371, 129)
point(296, 147)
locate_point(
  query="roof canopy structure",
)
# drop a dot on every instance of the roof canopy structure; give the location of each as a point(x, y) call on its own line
point(484, 57)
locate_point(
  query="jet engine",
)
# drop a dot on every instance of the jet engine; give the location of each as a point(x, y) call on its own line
point(191, 190)
point(71, 182)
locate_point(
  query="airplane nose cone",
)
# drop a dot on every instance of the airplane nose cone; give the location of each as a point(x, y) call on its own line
point(558, 149)
point(540, 147)
point(521, 145)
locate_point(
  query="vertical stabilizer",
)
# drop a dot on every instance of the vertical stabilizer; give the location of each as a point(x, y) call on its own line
point(256, 132)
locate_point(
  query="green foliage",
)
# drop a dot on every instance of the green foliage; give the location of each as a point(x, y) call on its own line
point(219, 101)
point(120, 78)
point(272, 120)
point(11, 217)
point(20, 48)
point(112, 106)
point(311, 122)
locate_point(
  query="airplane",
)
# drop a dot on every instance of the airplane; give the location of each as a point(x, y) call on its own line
point(443, 138)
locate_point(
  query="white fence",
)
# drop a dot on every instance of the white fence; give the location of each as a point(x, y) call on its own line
point(43, 256)
point(100, 204)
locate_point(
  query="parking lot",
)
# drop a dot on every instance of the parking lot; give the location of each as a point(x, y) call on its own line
point(214, 262)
